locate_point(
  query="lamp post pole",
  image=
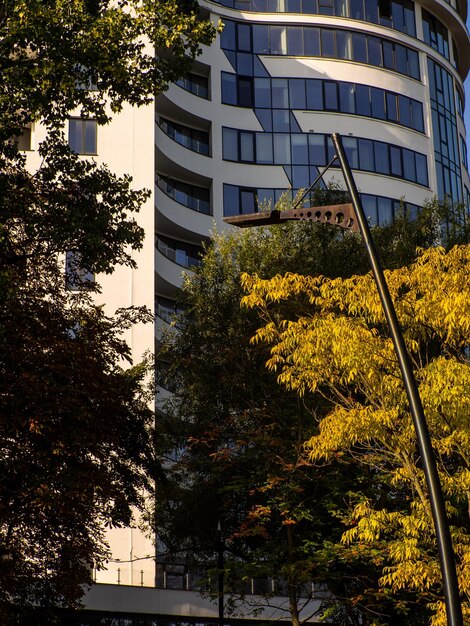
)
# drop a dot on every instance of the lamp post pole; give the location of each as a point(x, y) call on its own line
point(352, 217)
point(444, 542)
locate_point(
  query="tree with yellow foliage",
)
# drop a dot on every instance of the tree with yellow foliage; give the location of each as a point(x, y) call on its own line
point(343, 352)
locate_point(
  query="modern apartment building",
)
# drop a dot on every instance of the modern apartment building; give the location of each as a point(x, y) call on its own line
point(252, 120)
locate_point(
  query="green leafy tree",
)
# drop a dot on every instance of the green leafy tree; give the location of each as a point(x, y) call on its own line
point(92, 57)
point(240, 438)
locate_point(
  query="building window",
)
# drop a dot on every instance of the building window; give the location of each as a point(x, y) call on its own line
point(435, 33)
point(83, 136)
point(166, 309)
point(23, 140)
point(191, 138)
point(444, 132)
point(185, 254)
point(463, 151)
point(314, 94)
point(397, 14)
point(312, 41)
point(301, 149)
point(196, 84)
point(191, 196)
point(76, 276)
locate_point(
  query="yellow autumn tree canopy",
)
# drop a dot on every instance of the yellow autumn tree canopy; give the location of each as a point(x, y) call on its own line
point(343, 352)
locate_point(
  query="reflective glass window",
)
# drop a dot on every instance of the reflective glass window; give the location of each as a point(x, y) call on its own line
point(314, 95)
point(366, 155)
point(421, 169)
point(409, 164)
point(356, 9)
point(245, 63)
point(363, 100)
point(293, 6)
point(326, 7)
point(263, 92)
point(228, 36)
point(413, 64)
point(405, 110)
point(264, 148)
point(417, 115)
point(374, 50)
point(83, 136)
point(316, 149)
point(359, 44)
point(230, 144)
point(300, 176)
point(382, 163)
point(377, 103)
point(295, 44)
point(371, 11)
point(343, 45)
point(280, 93)
point(401, 59)
point(369, 204)
point(281, 120)
point(384, 210)
point(260, 39)
point(331, 96)
point(395, 161)
point(247, 201)
point(278, 43)
point(392, 108)
point(388, 55)
point(265, 118)
point(229, 88)
point(350, 147)
point(244, 37)
point(299, 149)
point(347, 98)
point(231, 200)
point(312, 42)
point(328, 43)
point(266, 197)
point(297, 93)
point(282, 149)
point(247, 148)
point(245, 91)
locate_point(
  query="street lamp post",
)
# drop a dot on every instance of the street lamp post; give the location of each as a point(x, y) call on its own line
point(352, 217)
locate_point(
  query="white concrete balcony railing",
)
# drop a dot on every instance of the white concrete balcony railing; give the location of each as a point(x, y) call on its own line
point(144, 601)
point(179, 219)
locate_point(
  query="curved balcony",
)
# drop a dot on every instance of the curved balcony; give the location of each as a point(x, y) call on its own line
point(194, 139)
point(178, 220)
point(199, 164)
point(169, 275)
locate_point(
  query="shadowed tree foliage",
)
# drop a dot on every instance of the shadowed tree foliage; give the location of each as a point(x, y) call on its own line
point(234, 440)
point(75, 426)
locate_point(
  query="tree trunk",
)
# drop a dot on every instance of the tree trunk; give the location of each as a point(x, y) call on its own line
point(291, 585)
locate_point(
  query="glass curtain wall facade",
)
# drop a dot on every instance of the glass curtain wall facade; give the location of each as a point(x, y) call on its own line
point(253, 118)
